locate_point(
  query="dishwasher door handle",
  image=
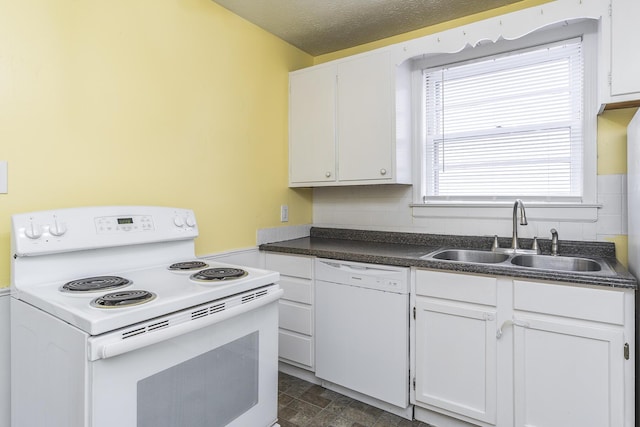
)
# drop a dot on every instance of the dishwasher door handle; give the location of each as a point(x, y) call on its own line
point(372, 271)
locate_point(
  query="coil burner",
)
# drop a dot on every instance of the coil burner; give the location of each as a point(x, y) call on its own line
point(188, 266)
point(123, 299)
point(95, 284)
point(218, 274)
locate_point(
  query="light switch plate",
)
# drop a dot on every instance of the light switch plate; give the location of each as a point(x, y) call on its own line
point(4, 187)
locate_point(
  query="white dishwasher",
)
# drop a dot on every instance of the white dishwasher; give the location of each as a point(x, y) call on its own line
point(362, 328)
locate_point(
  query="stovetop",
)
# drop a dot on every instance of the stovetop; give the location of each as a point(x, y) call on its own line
point(115, 244)
point(172, 291)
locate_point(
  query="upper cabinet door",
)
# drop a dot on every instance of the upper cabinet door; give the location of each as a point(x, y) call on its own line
point(618, 81)
point(625, 36)
point(365, 118)
point(312, 125)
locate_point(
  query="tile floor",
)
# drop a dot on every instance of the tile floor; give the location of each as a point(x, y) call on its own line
point(303, 404)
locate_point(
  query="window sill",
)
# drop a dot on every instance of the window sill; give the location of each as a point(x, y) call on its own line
point(575, 212)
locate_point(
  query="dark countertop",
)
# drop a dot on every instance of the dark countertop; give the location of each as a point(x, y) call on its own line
point(406, 250)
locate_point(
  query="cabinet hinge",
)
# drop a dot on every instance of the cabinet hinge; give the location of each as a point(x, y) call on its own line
point(626, 351)
point(610, 10)
point(414, 383)
point(414, 313)
point(609, 78)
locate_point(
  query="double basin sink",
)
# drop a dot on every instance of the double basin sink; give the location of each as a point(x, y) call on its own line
point(540, 262)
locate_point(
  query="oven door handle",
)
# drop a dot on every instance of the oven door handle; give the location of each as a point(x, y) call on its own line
point(110, 348)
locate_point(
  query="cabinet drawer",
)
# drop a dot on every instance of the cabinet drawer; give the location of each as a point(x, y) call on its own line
point(295, 348)
point(289, 265)
point(296, 317)
point(600, 305)
point(295, 289)
point(457, 287)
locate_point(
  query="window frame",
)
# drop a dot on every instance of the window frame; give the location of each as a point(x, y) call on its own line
point(583, 208)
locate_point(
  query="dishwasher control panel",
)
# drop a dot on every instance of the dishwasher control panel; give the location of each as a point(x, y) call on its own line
point(372, 276)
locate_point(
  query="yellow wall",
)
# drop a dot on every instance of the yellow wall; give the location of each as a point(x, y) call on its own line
point(612, 158)
point(173, 103)
point(612, 141)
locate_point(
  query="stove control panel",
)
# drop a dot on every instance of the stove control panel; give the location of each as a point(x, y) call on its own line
point(123, 224)
point(69, 230)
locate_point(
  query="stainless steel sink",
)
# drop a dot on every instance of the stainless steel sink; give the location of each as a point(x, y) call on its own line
point(469, 255)
point(561, 263)
point(511, 260)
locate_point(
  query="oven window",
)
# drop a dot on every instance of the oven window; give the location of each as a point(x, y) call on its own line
point(209, 390)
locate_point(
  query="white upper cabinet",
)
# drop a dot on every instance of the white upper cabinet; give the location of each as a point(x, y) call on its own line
point(365, 118)
point(621, 35)
point(342, 123)
point(312, 125)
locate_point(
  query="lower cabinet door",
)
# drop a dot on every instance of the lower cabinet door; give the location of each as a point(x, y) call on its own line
point(567, 375)
point(456, 358)
point(297, 348)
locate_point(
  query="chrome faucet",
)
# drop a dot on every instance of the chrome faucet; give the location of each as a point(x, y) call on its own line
point(554, 242)
point(523, 221)
point(515, 247)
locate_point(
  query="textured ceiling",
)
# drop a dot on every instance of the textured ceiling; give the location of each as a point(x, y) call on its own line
point(323, 26)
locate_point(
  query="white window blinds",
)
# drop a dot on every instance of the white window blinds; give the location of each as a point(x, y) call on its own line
point(506, 126)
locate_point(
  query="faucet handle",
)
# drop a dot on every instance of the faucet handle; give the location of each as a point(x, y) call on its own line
point(554, 242)
point(495, 246)
point(535, 246)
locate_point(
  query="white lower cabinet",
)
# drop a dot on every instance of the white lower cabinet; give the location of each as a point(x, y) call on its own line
point(296, 334)
point(568, 375)
point(455, 344)
point(572, 361)
point(456, 358)
point(496, 351)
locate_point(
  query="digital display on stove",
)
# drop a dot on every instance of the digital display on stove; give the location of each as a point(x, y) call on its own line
point(125, 220)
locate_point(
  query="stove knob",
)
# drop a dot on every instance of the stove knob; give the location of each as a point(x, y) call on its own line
point(33, 231)
point(191, 222)
point(57, 229)
point(178, 221)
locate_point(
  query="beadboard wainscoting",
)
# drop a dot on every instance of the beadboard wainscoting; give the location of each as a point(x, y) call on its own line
point(387, 208)
point(5, 368)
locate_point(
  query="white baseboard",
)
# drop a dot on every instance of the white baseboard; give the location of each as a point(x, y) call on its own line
point(439, 420)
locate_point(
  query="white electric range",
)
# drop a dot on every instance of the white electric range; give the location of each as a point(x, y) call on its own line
point(111, 308)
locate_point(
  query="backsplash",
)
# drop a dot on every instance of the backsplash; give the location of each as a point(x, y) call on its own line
point(386, 208)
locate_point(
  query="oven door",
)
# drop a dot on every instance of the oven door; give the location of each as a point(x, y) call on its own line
point(222, 374)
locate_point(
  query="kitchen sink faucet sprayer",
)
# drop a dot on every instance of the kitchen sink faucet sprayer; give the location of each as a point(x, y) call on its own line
point(523, 221)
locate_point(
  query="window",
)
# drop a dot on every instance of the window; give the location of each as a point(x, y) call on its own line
point(507, 124)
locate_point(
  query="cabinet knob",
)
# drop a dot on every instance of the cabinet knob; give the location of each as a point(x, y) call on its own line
point(328, 174)
point(383, 171)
